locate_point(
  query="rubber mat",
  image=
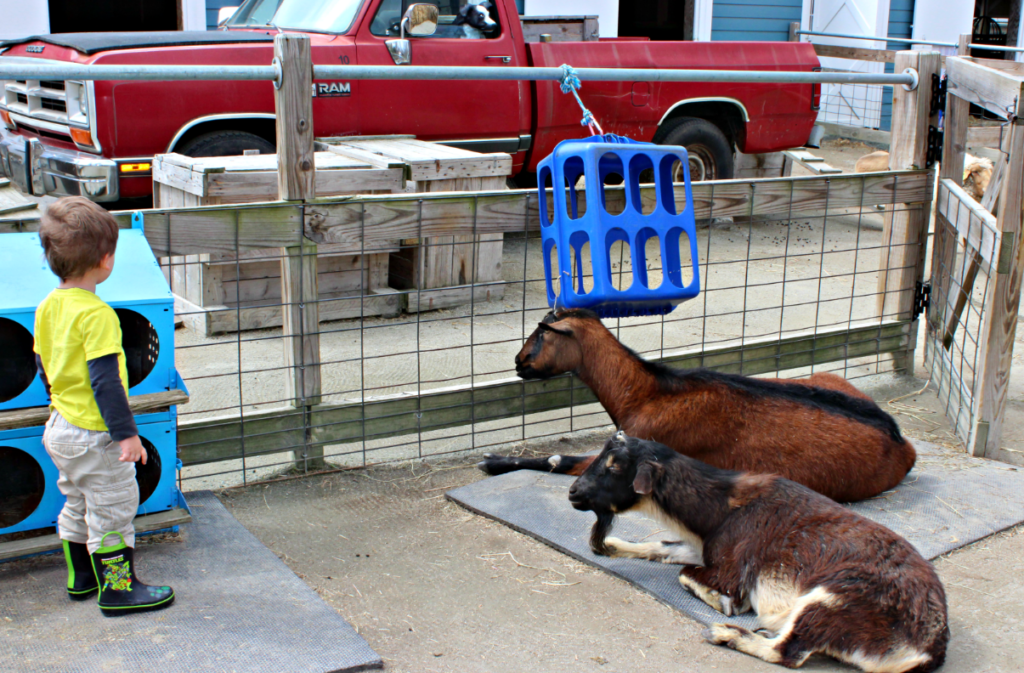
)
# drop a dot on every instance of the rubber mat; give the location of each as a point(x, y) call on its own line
point(238, 608)
point(947, 501)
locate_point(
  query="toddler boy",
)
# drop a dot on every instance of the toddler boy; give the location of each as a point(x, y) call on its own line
point(91, 434)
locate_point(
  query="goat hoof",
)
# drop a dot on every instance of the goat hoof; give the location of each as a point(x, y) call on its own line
point(495, 465)
point(707, 635)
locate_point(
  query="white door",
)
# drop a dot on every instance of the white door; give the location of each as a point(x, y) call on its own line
point(850, 104)
point(943, 20)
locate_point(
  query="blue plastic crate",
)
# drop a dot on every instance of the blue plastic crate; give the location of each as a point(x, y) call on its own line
point(136, 289)
point(30, 499)
point(596, 159)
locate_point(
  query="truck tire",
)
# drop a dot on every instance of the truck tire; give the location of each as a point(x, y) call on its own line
point(225, 144)
point(709, 149)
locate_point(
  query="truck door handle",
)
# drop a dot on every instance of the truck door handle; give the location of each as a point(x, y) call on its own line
point(504, 59)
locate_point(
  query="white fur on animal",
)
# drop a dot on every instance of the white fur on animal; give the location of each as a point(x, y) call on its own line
point(476, 22)
point(821, 578)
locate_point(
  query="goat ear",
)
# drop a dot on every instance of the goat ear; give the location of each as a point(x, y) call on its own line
point(551, 328)
point(643, 483)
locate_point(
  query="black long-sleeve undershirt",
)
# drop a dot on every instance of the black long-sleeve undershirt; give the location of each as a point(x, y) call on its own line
point(105, 379)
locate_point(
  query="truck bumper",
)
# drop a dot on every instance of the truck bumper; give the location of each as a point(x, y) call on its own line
point(41, 170)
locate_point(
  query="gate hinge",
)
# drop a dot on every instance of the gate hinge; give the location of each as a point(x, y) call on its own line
point(934, 147)
point(938, 103)
point(922, 297)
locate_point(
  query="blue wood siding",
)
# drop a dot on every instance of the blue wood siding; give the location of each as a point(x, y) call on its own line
point(755, 20)
point(901, 18)
point(213, 6)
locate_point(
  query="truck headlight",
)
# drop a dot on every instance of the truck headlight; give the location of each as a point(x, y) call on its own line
point(83, 102)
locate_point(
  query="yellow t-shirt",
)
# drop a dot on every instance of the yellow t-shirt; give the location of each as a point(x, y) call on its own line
point(74, 326)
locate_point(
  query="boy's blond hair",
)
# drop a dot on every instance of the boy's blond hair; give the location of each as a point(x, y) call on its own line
point(76, 235)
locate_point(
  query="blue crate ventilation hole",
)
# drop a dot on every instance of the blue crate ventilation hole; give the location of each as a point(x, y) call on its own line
point(30, 499)
point(136, 290)
point(582, 241)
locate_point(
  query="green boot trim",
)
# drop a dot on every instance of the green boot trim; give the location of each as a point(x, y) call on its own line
point(80, 582)
point(71, 566)
point(112, 548)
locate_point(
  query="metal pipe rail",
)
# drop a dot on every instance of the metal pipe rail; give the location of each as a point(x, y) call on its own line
point(995, 47)
point(23, 70)
point(989, 47)
point(877, 39)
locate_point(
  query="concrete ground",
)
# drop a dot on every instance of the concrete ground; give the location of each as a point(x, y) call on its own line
point(433, 587)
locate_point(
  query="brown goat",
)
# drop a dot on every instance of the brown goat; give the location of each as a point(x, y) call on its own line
point(820, 431)
point(820, 577)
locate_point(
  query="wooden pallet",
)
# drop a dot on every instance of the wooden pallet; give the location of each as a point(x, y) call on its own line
point(813, 163)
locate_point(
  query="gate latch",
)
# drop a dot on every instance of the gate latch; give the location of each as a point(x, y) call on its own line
point(922, 298)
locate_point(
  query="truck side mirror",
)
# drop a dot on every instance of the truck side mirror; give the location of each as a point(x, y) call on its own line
point(224, 14)
point(421, 19)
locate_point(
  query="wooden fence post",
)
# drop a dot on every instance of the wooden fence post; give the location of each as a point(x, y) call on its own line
point(296, 176)
point(954, 146)
point(904, 232)
point(1002, 304)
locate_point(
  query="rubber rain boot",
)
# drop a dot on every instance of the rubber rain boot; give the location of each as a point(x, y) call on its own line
point(81, 578)
point(121, 592)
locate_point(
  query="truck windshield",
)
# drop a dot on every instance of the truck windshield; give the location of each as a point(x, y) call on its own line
point(316, 16)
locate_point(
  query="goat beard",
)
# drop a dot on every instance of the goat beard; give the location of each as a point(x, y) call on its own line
point(602, 527)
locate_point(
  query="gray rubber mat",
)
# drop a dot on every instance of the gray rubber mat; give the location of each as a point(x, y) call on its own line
point(238, 608)
point(947, 501)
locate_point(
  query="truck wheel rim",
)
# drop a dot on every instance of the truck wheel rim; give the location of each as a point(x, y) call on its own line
point(702, 165)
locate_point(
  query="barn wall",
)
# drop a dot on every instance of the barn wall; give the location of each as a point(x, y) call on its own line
point(755, 20)
point(901, 19)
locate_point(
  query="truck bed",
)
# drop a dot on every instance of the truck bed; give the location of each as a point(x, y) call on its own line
point(766, 127)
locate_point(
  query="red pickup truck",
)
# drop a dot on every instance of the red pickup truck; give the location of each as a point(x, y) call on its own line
point(96, 138)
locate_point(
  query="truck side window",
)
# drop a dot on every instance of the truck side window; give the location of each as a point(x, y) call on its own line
point(458, 19)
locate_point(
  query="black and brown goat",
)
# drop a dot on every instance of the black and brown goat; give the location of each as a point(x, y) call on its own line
point(820, 431)
point(821, 578)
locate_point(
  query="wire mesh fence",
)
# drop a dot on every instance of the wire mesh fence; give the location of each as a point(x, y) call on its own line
point(858, 105)
point(965, 258)
point(404, 344)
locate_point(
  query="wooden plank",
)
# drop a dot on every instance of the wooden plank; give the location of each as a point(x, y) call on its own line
point(301, 323)
point(1002, 306)
point(812, 163)
point(256, 227)
point(944, 244)
point(29, 417)
point(905, 231)
point(856, 53)
point(978, 81)
point(17, 207)
point(970, 220)
point(430, 161)
point(294, 120)
point(412, 216)
point(210, 320)
point(560, 28)
point(246, 187)
point(983, 136)
point(274, 431)
point(52, 543)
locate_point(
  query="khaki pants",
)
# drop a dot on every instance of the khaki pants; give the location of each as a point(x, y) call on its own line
point(102, 493)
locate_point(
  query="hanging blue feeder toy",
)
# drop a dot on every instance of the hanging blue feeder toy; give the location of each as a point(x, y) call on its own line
point(565, 230)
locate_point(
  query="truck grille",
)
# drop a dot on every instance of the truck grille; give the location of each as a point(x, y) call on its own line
point(53, 101)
